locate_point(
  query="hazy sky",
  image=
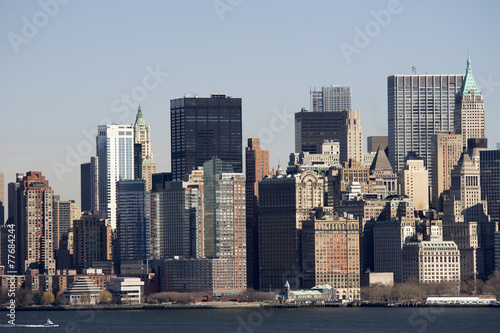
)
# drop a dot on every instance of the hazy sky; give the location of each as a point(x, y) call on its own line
point(68, 66)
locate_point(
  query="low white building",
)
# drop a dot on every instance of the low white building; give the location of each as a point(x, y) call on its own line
point(129, 290)
point(82, 292)
point(431, 261)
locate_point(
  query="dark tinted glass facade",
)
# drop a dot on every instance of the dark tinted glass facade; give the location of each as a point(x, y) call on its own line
point(490, 181)
point(203, 128)
point(312, 128)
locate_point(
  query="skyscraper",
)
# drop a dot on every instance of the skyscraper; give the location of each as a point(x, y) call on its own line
point(142, 136)
point(313, 128)
point(115, 150)
point(34, 220)
point(257, 167)
point(490, 181)
point(447, 148)
point(466, 220)
point(89, 185)
point(469, 108)
point(419, 106)
point(92, 240)
point(224, 217)
point(203, 128)
point(12, 192)
point(2, 199)
point(331, 99)
point(351, 137)
point(181, 219)
point(64, 214)
point(284, 203)
point(133, 233)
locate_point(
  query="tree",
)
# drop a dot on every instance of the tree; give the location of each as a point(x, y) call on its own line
point(251, 295)
point(24, 297)
point(47, 298)
point(60, 298)
point(37, 297)
point(105, 297)
point(85, 299)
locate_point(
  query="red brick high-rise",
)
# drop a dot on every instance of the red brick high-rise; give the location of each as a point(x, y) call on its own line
point(34, 219)
point(257, 167)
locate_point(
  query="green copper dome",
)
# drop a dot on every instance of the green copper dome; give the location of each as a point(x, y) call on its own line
point(139, 119)
point(469, 83)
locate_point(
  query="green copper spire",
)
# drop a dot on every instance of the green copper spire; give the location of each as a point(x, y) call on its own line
point(139, 119)
point(469, 83)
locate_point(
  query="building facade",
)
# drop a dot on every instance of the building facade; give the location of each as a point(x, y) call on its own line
point(115, 150)
point(490, 181)
point(431, 262)
point(419, 106)
point(257, 167)
point(91, 240)
point(447, 147)
point(34, 224)
point(133, 233)
point(413, 179)
point(89, 185)
point(331, 99)
point(142, 137)
point(202, 128)
point(224, 218)
point(284, 203)
point(466, 220)
point(469, 109)
point(388, 240)
point(351, 137)
point(331, 255)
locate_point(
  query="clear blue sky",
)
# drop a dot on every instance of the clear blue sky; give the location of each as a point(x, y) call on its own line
point(65, 73)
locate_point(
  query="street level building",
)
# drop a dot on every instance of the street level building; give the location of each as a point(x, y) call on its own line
point(431, 261)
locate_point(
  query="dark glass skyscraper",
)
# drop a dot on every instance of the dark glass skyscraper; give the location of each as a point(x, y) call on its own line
point(203, 128)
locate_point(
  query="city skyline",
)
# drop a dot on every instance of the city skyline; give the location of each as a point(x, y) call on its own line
point(70, 79)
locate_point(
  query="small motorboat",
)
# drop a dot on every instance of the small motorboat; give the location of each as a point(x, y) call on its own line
point(49, 323)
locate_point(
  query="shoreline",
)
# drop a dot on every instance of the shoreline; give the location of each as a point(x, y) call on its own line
point(208, 306)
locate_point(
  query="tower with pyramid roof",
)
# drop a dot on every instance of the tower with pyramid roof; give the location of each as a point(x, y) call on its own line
point(385, 178)
point(144, 164)
point(469, 108)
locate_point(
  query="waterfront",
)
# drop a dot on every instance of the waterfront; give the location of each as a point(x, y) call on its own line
point(431, 319)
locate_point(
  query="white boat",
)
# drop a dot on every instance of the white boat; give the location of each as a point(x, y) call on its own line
point(49, 323)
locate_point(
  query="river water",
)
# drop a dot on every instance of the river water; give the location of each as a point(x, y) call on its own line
point(371, 320)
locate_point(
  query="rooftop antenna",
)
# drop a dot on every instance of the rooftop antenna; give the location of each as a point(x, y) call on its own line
point(414, 70)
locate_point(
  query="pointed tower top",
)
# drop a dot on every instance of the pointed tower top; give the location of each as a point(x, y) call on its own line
point(139, 119)
point(287, 285)
point(380, 161)
point(469, 84)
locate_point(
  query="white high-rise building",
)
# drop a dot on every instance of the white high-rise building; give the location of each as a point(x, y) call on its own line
point(115, 150)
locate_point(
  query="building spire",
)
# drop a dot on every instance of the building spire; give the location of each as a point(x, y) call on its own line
point(139, 119)
point(469, 84)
